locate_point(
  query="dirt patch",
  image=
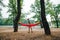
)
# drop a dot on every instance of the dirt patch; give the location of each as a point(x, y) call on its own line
point(24, 35)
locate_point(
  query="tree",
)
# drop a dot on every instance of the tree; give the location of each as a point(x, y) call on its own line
point(12, 5)
point(43, 17)
point(54, 15)
point(13, 10)
point(36, 8)
point(0, 17)
point(53, 10)
point(57, 11)
point(1, 5)
point(0, 13)
point(16, 20)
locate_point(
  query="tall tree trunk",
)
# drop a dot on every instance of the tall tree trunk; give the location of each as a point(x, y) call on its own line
point(56, 18)
point(41, 22)
point(57, 24)
point(18, 16)
point(39, 18)
point(43, 17)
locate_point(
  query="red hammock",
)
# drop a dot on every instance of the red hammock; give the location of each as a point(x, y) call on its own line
point(29, 25)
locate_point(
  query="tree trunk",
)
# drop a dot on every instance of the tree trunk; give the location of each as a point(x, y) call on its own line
point(16, 20)
point(43, 17)
point(41, 23)
point(56, 18)
point(39, 18)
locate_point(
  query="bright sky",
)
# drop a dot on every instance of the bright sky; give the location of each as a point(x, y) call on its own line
point(26, 7)
point(27, 4)
point(55, 1)
point(5, 9)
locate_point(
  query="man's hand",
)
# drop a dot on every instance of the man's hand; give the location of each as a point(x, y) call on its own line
point(37, 22)
point(19, 22)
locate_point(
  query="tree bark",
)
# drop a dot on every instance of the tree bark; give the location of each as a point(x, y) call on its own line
point(41, 23)
point(16, 20)
point(56, 18)
point(43, 17)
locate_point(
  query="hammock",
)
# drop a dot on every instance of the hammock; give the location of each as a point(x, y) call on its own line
point(29, 25)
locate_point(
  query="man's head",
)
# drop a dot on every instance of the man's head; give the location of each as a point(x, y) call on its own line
point(28, 19)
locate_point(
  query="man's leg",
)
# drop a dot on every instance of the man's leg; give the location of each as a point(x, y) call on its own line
point(31, 30)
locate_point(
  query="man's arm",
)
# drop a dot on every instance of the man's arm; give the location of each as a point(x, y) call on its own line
point(35, 24)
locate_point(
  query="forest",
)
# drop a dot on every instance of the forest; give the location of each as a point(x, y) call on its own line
point(40, 10)
point(50, 9)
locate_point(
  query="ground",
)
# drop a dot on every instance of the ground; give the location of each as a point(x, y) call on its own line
point(8, 34)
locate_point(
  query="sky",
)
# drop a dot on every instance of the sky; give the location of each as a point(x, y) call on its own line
point(27, 4)
point(26, 8)
point(55, 1)
point(5, 9)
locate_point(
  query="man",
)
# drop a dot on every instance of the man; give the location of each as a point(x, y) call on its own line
point(29, 25)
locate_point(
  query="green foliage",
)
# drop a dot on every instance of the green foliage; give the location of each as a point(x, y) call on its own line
point(57, 12)
point(36, 9)
point(49, 9)
point(12, 5)
point(1, 3)
point(12, 8)
point(21, 2)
